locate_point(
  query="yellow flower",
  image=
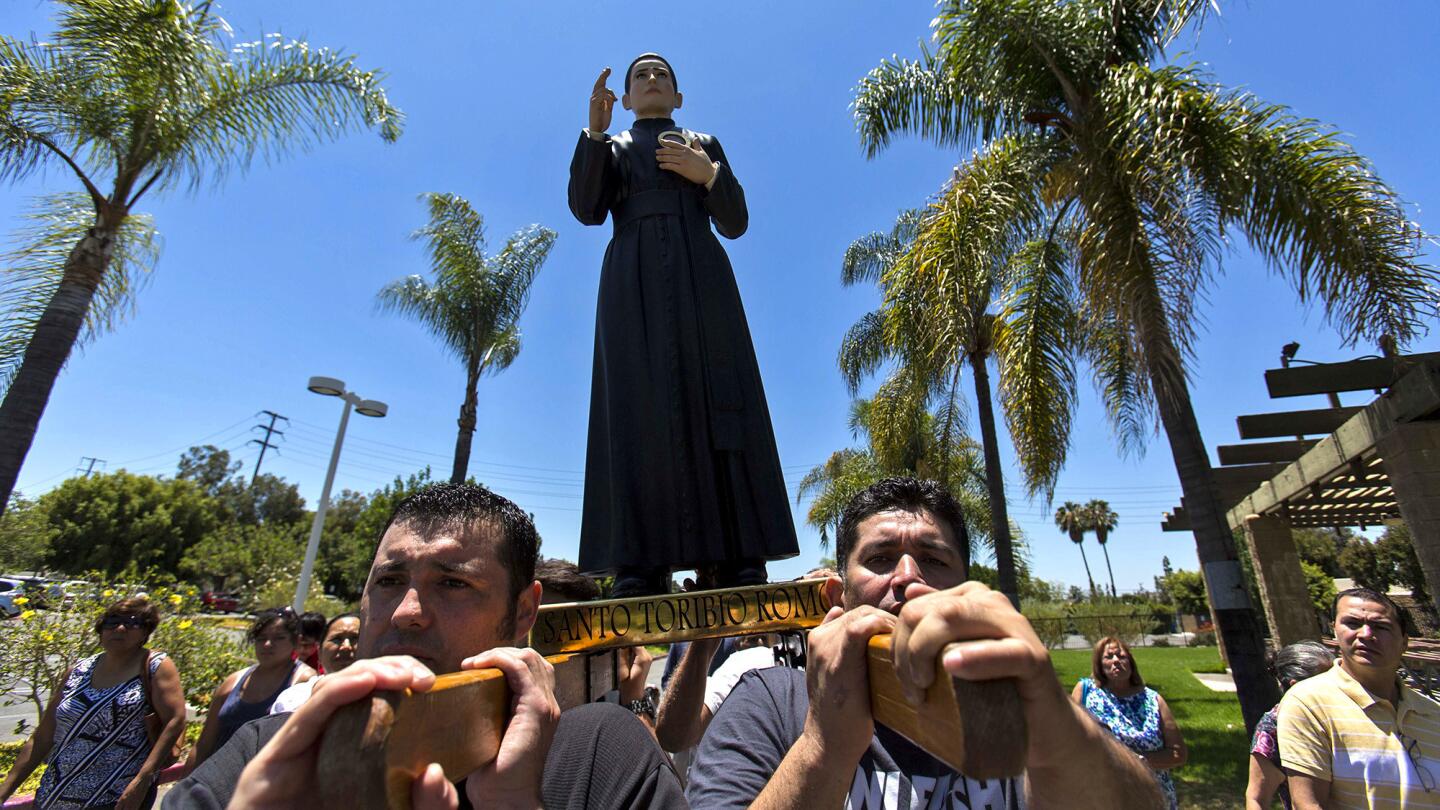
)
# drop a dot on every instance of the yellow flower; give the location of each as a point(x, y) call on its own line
point(176, 599)
point(107, 593)
point(185, 624)
point(20, 600)
point(47, 636)
point(27, 614)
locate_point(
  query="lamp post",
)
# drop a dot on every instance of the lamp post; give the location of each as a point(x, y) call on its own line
point(330, 387)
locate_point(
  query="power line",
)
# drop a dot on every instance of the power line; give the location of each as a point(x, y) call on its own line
point(265, 442)
point(90, 468)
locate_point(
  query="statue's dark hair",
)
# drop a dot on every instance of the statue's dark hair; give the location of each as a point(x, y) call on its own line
point(468, 507)
point(674, 82)
point(904, 494)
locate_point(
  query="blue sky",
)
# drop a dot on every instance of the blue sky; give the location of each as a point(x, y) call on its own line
point(270, 277)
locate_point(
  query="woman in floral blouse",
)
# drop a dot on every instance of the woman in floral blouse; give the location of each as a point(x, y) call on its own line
point(1117, 696)
point(1290, 665)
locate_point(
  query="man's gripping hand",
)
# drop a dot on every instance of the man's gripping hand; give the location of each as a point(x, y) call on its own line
point(602, 104)
point(282, 775)
point(513, 778)
point(839, 722)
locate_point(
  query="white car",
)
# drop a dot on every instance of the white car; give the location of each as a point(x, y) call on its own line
point(9, 589)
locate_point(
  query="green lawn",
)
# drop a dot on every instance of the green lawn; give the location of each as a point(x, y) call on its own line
point(1214, 776)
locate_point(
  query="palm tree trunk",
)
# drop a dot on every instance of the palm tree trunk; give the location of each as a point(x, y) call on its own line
point(995, 482)
point(1110, 570)
point(1214, 543)
point(49, 348)
point(1081, 545)
point(466, 422)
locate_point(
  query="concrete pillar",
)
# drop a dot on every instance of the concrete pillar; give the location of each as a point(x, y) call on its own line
point(1411, 455)
point(1282, 581)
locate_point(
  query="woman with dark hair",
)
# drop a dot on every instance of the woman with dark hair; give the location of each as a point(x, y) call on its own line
point(93, 737)
point(248, 693)
point(1117, 696)
point(1289, 665)
point(337, 651)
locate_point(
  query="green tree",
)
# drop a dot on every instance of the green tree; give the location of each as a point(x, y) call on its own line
point(1320, 585)
point(473, 305)
point(111, 521)
point(1102, 520)
point(1072, 519)
point(1321, 547)
point(268, 499)
point(900, 440)
point(131, 96)
point(1152, 170)
point(1364, 564)
point(348, 545)
point(24, 536)
point(208, 466)
point(236, 553)
point(1186, 591)
point(1397, 549)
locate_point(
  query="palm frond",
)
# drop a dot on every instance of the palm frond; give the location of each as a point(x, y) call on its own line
point(863, 350)
point(1034, 345)
point(869, 257)
point(502, 352)
point(31, 270)
point(1121, 382)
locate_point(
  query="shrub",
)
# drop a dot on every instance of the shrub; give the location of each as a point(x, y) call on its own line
point(1049, 620)
point(1204, 638)
point(39, 648)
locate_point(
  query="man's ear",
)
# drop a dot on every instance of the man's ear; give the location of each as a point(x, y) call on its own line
point(625, 101)
point(527, 606)
point(834, 590)
point(679, 99)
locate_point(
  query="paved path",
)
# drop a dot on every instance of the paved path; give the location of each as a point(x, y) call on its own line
point(1216, 681)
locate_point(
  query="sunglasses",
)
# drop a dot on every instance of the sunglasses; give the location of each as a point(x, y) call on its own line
point(1412, 750)
point(112, 622)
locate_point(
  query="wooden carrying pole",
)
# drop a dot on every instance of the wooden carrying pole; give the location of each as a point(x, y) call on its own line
point(373, 750)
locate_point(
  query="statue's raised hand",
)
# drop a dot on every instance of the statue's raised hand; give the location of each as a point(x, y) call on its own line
point(602, 102)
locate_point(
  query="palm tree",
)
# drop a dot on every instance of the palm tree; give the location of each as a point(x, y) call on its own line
point(1074, 522)
point(899, 440)
point(1102, 520)
point(130, 96)
point(1149, 167)
point(474, 304)
point(939, 272)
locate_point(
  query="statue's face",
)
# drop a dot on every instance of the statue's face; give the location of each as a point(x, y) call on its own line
point(652, 90)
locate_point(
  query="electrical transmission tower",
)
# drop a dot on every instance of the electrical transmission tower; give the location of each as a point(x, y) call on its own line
point(265, 442)
point(90, 466)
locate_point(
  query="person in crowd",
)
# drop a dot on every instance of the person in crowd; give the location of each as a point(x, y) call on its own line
point(786, 738)
point(1289, 665)
point(562, 582)
point(93, 737)
point(451, 587)
point(312, 633)
point(337, 651)
point(1355, 736)
point(1136, 714)
point(248, 693)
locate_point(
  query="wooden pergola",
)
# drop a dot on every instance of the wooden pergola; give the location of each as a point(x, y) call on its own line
point(1339, 466)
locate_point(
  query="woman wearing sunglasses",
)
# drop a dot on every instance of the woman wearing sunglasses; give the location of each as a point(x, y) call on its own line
point(93, 737)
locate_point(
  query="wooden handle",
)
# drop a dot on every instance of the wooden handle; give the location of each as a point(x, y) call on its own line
point(976, 727)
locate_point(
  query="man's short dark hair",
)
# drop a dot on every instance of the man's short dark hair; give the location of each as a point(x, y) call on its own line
point(563, 578)
point(674, 82)
point(906, 495)
point(466, 507)
point(1402, 616)
point(312, 625)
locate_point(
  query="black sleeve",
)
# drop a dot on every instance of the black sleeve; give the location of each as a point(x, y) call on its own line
point(210, 786)
point(603, 758)
point(725, 200)
point(747, 739)
point(592, 180)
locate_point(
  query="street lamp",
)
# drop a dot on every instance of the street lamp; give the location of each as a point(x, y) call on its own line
point(331, 387)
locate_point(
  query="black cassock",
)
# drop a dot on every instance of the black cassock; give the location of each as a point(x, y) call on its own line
point(680, 467)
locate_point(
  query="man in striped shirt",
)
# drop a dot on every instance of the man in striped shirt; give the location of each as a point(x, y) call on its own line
point(1357, 736)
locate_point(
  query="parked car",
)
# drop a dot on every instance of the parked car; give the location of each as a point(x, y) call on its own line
point(9, 589)
point(216, 602)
